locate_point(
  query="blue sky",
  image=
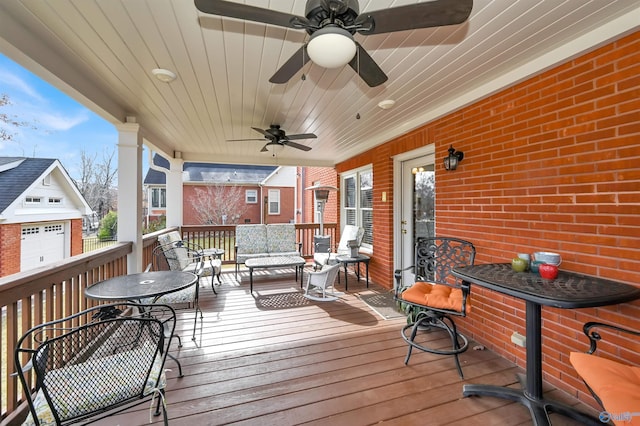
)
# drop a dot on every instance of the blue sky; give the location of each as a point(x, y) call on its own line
point(63, 126)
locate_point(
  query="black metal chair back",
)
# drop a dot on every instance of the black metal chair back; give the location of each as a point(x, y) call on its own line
point(436, 295)
point(95, 363)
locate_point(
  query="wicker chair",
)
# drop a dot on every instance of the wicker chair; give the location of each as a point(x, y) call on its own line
point(95, 363)
point(436, 296)
point(321, 282)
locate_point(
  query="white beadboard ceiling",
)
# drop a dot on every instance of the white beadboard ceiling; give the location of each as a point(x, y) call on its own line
point(102, 53)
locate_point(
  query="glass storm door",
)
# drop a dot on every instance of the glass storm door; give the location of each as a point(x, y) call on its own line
point(418, 207)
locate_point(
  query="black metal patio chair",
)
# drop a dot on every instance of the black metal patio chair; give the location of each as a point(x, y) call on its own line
point(180, 256)
point(436, 296)
point(95, 363)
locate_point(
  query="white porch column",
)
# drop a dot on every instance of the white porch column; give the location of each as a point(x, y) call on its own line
point(174, 192)
point(130, 191)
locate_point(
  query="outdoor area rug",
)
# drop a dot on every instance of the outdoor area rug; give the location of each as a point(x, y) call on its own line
point(382, 303)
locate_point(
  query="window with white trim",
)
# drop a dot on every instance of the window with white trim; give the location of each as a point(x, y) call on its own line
point(274, 201)
point(251, 196)
point(357, 204)
point(158, 198)
point(32, 200)
point(55, 200)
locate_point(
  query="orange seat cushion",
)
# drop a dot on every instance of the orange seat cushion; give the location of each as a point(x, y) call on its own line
point(616, 384)
point(436, 296)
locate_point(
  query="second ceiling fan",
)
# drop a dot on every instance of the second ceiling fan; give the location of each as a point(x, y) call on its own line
point(278, 137)
point(332, 24)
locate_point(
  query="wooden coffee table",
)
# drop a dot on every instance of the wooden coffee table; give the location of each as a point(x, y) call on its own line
point(274, 262)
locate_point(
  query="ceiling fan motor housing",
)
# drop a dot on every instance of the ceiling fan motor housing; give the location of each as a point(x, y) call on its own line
point(319, 13)
point(276, 133)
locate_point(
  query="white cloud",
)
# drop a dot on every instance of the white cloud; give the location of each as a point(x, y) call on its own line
point(59, 122)
point(17, 83)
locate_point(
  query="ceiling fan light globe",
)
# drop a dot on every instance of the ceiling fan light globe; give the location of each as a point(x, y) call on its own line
point(331, 47)
point(275, 148)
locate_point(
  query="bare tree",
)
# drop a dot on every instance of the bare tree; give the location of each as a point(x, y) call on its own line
point(96, 181)
point(8, 121)
point(105, 178)
point(219, 204)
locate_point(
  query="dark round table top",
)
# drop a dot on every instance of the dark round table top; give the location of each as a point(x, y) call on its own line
point(569, 290)
point(140, 286)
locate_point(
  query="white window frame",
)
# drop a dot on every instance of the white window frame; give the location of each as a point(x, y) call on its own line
point(55, 200)
point(160, 190)
point(358, 213)
point(251, 196)
point(274, 201)
point(32, 200)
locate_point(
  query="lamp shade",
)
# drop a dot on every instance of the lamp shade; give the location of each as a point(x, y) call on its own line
point(331, 47)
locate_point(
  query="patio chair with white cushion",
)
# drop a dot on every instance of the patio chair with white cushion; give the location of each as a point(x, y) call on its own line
point(192, 258)
point(351, 237)
point(180, 256)
point(95, 363)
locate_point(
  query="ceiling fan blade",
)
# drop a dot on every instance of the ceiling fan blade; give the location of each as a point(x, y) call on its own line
point(264, 132)
point(241, 140)
point(264, 148)
point(301, 136)
point(367, 68)
point(297, 146)
point(291, 67)
point(435, 13)
point(250, 13)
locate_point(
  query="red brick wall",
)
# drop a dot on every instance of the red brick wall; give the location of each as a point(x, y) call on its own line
point(10, 237)
point(287, 205)
point(550, 164)
point(76, 237)
point(326, 176)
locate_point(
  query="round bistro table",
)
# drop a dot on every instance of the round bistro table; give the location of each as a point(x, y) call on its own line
point(141, 285)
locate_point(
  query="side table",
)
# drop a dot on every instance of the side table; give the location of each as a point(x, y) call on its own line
point(346, 260)
point(216, 264)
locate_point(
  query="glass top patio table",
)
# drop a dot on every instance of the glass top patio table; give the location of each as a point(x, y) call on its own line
point(141, 285)
point(568, 291)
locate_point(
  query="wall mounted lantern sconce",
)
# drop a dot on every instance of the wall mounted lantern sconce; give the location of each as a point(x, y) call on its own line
point(451, 161)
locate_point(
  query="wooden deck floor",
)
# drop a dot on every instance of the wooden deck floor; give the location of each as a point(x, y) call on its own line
point(276, 358)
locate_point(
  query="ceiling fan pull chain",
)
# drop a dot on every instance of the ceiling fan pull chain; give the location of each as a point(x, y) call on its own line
point(358, 79)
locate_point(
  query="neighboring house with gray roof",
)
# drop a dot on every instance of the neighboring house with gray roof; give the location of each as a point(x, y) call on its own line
point(41, 214)
point(231, 193)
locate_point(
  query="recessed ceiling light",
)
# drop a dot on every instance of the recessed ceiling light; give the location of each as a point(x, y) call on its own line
point(386, 104)
point(163, 75)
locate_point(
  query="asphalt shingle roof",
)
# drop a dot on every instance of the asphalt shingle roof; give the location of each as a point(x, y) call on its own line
point(211, 172)
point(14, 181)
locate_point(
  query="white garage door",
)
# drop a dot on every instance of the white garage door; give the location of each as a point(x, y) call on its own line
point(41, 244)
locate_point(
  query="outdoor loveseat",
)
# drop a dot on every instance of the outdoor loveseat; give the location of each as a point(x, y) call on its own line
point(260, 240)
